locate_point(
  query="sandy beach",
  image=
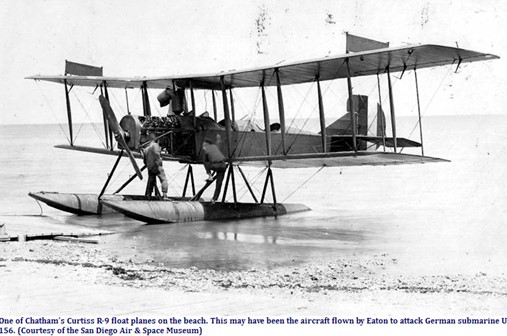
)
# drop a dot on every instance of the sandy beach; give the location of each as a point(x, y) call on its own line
point(53, 275)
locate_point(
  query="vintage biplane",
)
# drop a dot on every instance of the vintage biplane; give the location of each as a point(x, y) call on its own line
point(347, 141)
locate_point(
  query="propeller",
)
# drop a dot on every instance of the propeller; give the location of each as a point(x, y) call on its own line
point(118, 132)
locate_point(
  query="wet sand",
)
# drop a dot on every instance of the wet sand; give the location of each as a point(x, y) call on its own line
point(76, 278)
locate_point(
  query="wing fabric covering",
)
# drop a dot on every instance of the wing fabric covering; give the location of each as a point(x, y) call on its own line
point(333, 67)
point(349, 160)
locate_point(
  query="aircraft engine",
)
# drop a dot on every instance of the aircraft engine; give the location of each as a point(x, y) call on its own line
point(132, 127)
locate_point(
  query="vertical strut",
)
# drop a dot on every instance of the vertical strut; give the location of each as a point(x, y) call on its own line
point(106, 93)
point(382, 120)
point(419, 111)
point(146, 100)
point(214, 105)
point(391, 104)
point(351, 108)
point(266, 120)
point(69, 112)
point(226, 117)
point(227, 182)
point(104, 120)
point(127, 100)
point(233, 185)
point(281, 109)
point(321, 117)
point(233, 114)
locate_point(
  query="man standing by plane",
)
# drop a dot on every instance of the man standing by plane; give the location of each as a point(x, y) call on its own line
point(153, 161)
point(214, 160)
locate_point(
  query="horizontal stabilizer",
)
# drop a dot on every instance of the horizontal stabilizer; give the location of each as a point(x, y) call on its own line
point(400, 142)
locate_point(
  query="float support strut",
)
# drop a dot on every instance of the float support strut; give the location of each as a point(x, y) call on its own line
point(111, 174)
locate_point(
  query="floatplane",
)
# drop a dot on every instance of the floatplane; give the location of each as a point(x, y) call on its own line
point(345, 142)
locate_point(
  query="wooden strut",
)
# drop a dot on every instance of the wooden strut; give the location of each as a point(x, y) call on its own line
point(233, 113)
point(106, 93)
point(214, 105)
point(383, 120)
point(111, 174)
point(247, 184)
point(127, 100)
point(391, 104)
point(269, 176)
point(194, 120)
point(69, 111)
point(322, 117)
point(128, 181)
point(146, 100)
point(351, 107)
point(230, 175)
point(267, 129)
point(104, 120)
point(281, 109)
point(190, 176)
point(419, 111)
point(226, 117)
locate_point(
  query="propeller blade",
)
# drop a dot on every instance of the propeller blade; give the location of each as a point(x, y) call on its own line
point(118, 132)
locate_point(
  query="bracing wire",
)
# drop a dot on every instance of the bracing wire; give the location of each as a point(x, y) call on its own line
point(254, 180)
point(431, 100)
point(88, 115)
point(52, 111)
point(300, 186)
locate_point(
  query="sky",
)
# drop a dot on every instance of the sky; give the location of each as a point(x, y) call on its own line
point(157, 38)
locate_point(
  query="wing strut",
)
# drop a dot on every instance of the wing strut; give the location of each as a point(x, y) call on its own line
point(233, 113)
point(104, 120)
point(226, 117)
point(146, 100)
point(381, 120)
point(419, 111)
point(322, 117)
point(391, 104)
point(281, 110)
point(351, 108)
point(214, 105)
point(106, 94)
point(69, 112)
point(267, 128)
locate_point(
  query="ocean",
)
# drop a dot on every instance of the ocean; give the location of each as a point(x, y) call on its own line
point(447, 217)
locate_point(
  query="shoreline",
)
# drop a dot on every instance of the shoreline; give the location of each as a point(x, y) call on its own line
point(371, 284)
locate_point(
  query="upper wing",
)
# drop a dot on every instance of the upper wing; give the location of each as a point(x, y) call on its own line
point(333, 67)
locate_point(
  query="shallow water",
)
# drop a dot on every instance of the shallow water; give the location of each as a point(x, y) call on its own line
point(444, 217)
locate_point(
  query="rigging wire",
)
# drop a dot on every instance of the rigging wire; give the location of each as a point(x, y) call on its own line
point(92, 123)
point(52, 111)
point(252, 184)
point(307, 180)
point(156, 105)
point(431, 99)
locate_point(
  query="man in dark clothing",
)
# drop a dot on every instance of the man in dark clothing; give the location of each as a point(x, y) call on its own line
point(153, 161)
point(214, 160)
